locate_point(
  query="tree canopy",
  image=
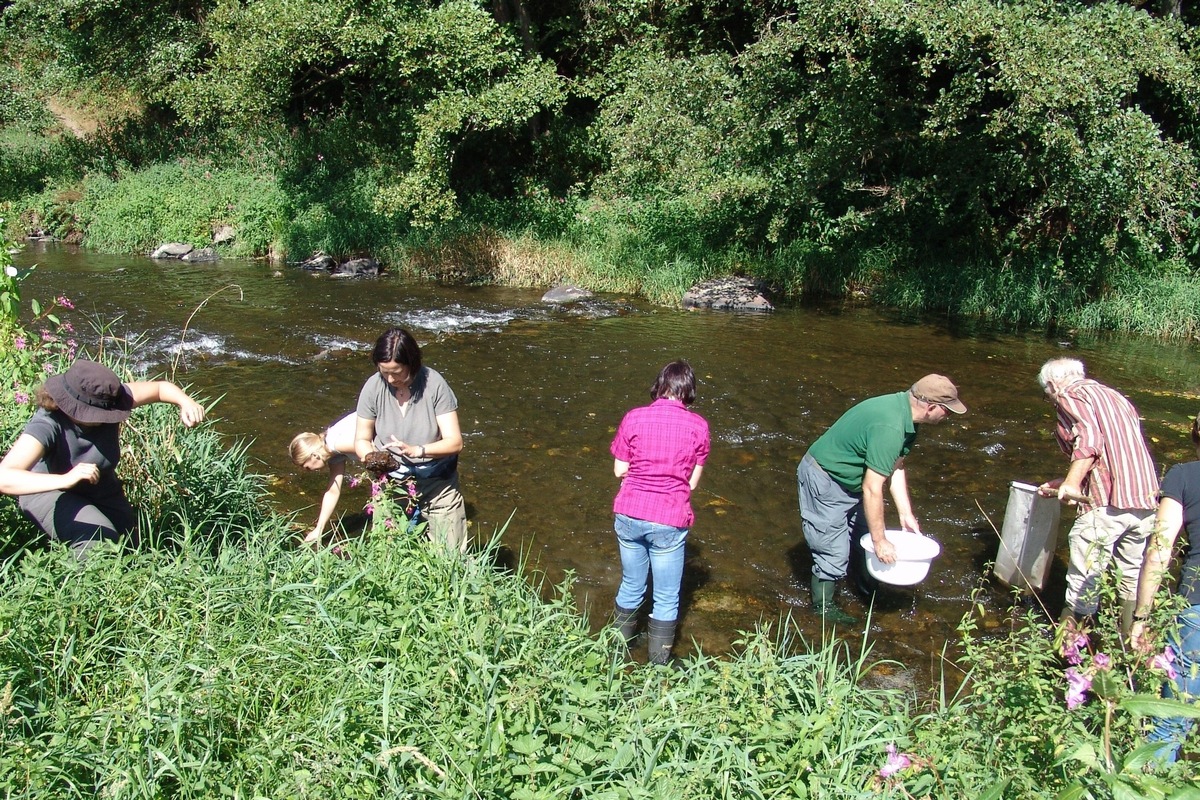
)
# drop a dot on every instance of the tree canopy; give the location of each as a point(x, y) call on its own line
point(1058, 137)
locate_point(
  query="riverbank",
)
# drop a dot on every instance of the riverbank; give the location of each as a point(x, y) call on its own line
point(656, 250)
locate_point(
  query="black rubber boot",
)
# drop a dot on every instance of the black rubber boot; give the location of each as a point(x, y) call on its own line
point(625, 620)
point(661, 636)
point(824, 603)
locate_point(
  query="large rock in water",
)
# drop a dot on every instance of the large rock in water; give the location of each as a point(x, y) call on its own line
point(357, 268)
point(565, 293)
point(172, 250)
point(319, 262)
point(727, 294)
point(203, 254)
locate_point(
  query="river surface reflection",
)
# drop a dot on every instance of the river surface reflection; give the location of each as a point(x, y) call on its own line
point(542, 388)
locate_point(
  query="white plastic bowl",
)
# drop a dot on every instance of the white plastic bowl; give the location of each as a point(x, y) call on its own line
point(914, 553)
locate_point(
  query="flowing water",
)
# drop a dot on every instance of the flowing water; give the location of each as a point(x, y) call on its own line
point(541, 389)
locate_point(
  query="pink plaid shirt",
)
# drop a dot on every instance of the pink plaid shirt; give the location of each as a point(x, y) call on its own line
point(1096, 421)
point(662, 443)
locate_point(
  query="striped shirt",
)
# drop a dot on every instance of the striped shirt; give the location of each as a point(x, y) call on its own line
point(1095, 421)
point(662, 443)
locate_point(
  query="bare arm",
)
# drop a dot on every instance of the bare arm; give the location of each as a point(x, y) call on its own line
point(899, 490)
point(620, 468)
point(873, 509)
point(1167, 523)
point(1070, 489)
point(191, 413)
point(695, 479)
point(16, 477)
point(364, 438)
point(450, 443)
point(329, 501)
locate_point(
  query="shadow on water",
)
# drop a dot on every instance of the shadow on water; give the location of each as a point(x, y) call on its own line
point(542, 388)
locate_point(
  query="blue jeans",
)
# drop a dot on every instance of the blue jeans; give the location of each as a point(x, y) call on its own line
point(647, 546)
point(1186, 685)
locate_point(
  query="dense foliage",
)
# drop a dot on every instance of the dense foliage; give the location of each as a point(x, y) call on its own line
point(1015, 160)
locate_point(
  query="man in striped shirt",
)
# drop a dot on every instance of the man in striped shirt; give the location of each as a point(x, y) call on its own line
point(1112, 480)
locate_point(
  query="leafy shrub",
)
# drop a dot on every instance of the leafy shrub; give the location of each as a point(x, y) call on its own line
point(183, 201)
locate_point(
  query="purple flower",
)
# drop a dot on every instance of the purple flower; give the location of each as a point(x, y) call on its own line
point(1078, 684)
point(1165, 661)
point(19, 342)
point(354, 481)
point(64, 302)
point(412, 489)
point(1073, 643)
point(387, 523)
point(376, 488)
point(1102, 661)
point(369, 509)
point(895, 762)
point(20, 397)
point(67, 327)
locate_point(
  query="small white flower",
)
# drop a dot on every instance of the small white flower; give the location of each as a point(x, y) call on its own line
point(10, 271)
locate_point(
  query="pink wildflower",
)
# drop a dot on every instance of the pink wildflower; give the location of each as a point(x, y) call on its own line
point(354, 481)
point(1073, 643)
point(1078, 684)
point(387, 523)
point(1102, 661)
point(64, 302)
point(19, 342)
point(1165, 661)
point(20, 397)
point(412, 489)
point(896, 761)
point(369, 509)
point(376, 488)
point(67, 327)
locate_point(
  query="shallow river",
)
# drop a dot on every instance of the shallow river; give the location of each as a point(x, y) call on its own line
point(542, 388)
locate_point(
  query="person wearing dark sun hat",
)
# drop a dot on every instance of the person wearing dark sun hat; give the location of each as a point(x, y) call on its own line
point(63, 466)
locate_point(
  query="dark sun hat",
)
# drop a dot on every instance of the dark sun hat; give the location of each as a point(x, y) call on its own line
point(90, 392)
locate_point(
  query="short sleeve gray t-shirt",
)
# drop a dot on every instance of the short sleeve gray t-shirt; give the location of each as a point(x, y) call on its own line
point(432, 397)
point(67, 444)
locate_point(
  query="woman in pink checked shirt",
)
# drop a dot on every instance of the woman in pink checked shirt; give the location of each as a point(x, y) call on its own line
point(660, 450)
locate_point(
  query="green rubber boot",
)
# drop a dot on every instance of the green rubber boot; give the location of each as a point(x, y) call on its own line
point(825, 604)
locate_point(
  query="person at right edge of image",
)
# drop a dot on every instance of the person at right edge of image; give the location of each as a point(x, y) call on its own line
point(1179, 508)
point(841, 481)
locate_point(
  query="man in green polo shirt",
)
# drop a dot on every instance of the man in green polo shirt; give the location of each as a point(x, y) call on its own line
point(841, 480)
